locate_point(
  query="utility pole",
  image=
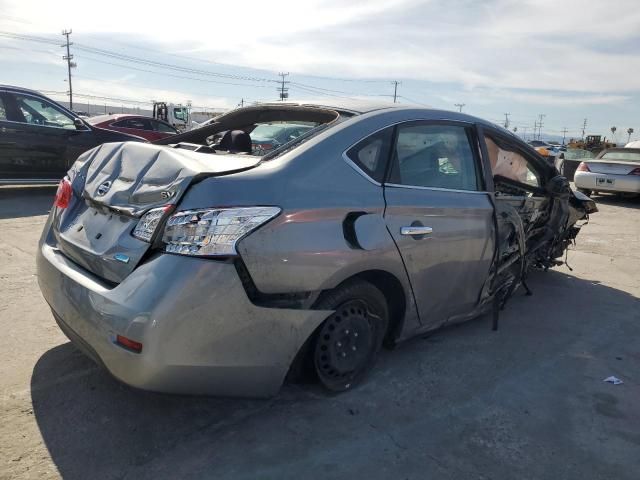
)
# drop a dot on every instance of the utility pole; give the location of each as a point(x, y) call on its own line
point(506, 120)
point(68, 57)
point(584, 127)
point(284, 91)
point(524, 134)
point(459, 105)
point(540, 118)
point(241, 104)
point(564, 134)
point(395, 84)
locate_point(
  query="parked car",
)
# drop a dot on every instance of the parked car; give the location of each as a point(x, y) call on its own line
point(616, 170)
point(567, 162)
point(40, 139)
point(138, 125)
point(267, 137)
point(188, 267)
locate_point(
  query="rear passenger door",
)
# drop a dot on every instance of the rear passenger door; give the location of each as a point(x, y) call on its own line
point(440, 216)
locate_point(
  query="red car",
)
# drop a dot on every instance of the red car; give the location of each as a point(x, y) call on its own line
point(138, 125)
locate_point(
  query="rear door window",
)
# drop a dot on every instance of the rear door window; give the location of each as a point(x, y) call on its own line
point(135, 123)
point(3, 110)
point(435, 156)
point(371, 155)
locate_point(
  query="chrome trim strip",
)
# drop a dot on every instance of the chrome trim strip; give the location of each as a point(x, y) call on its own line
point(365, 174)
point(437, 189)
point(353, 165)
point(30, 181)
point(415, 230)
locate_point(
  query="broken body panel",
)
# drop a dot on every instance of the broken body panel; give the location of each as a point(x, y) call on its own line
point(233, 325)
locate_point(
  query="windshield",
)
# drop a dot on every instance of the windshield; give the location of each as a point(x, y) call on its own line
point(625, 156)
point(577, 154)
point(180, 114)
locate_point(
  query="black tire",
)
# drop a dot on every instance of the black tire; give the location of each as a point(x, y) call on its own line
point(347, 343)
point(585, 191)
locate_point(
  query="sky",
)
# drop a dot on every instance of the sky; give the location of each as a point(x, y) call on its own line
point(566, 60)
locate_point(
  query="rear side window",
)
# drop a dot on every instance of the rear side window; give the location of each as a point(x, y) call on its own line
point(137, 123)
point(372, 154)
point(163, 127)
point(434, 155)
point(3, 111)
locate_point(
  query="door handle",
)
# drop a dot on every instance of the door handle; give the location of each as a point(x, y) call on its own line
point(415, 230)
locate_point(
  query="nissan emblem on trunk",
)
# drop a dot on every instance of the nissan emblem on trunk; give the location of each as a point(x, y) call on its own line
point(103, 188)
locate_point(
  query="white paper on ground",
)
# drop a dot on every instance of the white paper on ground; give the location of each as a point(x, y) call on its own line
point(614, 380)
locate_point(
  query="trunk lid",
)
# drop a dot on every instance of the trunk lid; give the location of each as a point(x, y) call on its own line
point(114, 185)
point(612, 168)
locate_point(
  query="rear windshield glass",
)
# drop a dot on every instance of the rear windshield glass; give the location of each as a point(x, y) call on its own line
point(624, 156)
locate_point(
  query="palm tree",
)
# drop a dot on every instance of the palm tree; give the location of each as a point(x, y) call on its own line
point(629, 132)
point(613, 133)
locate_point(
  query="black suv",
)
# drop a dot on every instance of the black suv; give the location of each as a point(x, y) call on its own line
point(40, 139)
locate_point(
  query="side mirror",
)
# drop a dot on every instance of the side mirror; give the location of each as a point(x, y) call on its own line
point(80, 125)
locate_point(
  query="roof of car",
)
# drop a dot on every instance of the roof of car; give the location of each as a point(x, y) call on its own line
point(19, 89)
point(621, 150)
point(115, 116)
point(354, 105)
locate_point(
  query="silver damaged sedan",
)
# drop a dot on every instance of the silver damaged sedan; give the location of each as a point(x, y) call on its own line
point(194, 265)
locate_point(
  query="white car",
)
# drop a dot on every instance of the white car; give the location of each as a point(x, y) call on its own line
point(615, 170)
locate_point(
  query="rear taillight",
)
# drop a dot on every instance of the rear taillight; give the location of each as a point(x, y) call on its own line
point(63, 194)
point(214, 231)
point(147, 225)
point(635, 171)
point(583, 167)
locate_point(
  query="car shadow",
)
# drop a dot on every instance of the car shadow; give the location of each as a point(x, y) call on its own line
point(95, 427)
point(616, 200)
point(25, 201)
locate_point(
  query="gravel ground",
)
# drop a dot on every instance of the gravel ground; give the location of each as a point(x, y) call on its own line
point(526, 402)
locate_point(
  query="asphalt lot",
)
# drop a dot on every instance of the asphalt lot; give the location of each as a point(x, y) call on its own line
point(526, 402)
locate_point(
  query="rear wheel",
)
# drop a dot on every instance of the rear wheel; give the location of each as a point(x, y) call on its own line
point(347, 343)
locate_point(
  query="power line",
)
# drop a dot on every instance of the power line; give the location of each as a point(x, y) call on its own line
point(414, 101)
point(165, 74)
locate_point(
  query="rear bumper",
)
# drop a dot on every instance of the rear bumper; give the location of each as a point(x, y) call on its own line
point(603, 182)
point(200, 333)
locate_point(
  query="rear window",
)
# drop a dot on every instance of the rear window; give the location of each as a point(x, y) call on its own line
point(372, 154)
point(624, 156)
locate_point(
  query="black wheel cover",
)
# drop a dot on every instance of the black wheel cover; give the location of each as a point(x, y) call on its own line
point(346, 344)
